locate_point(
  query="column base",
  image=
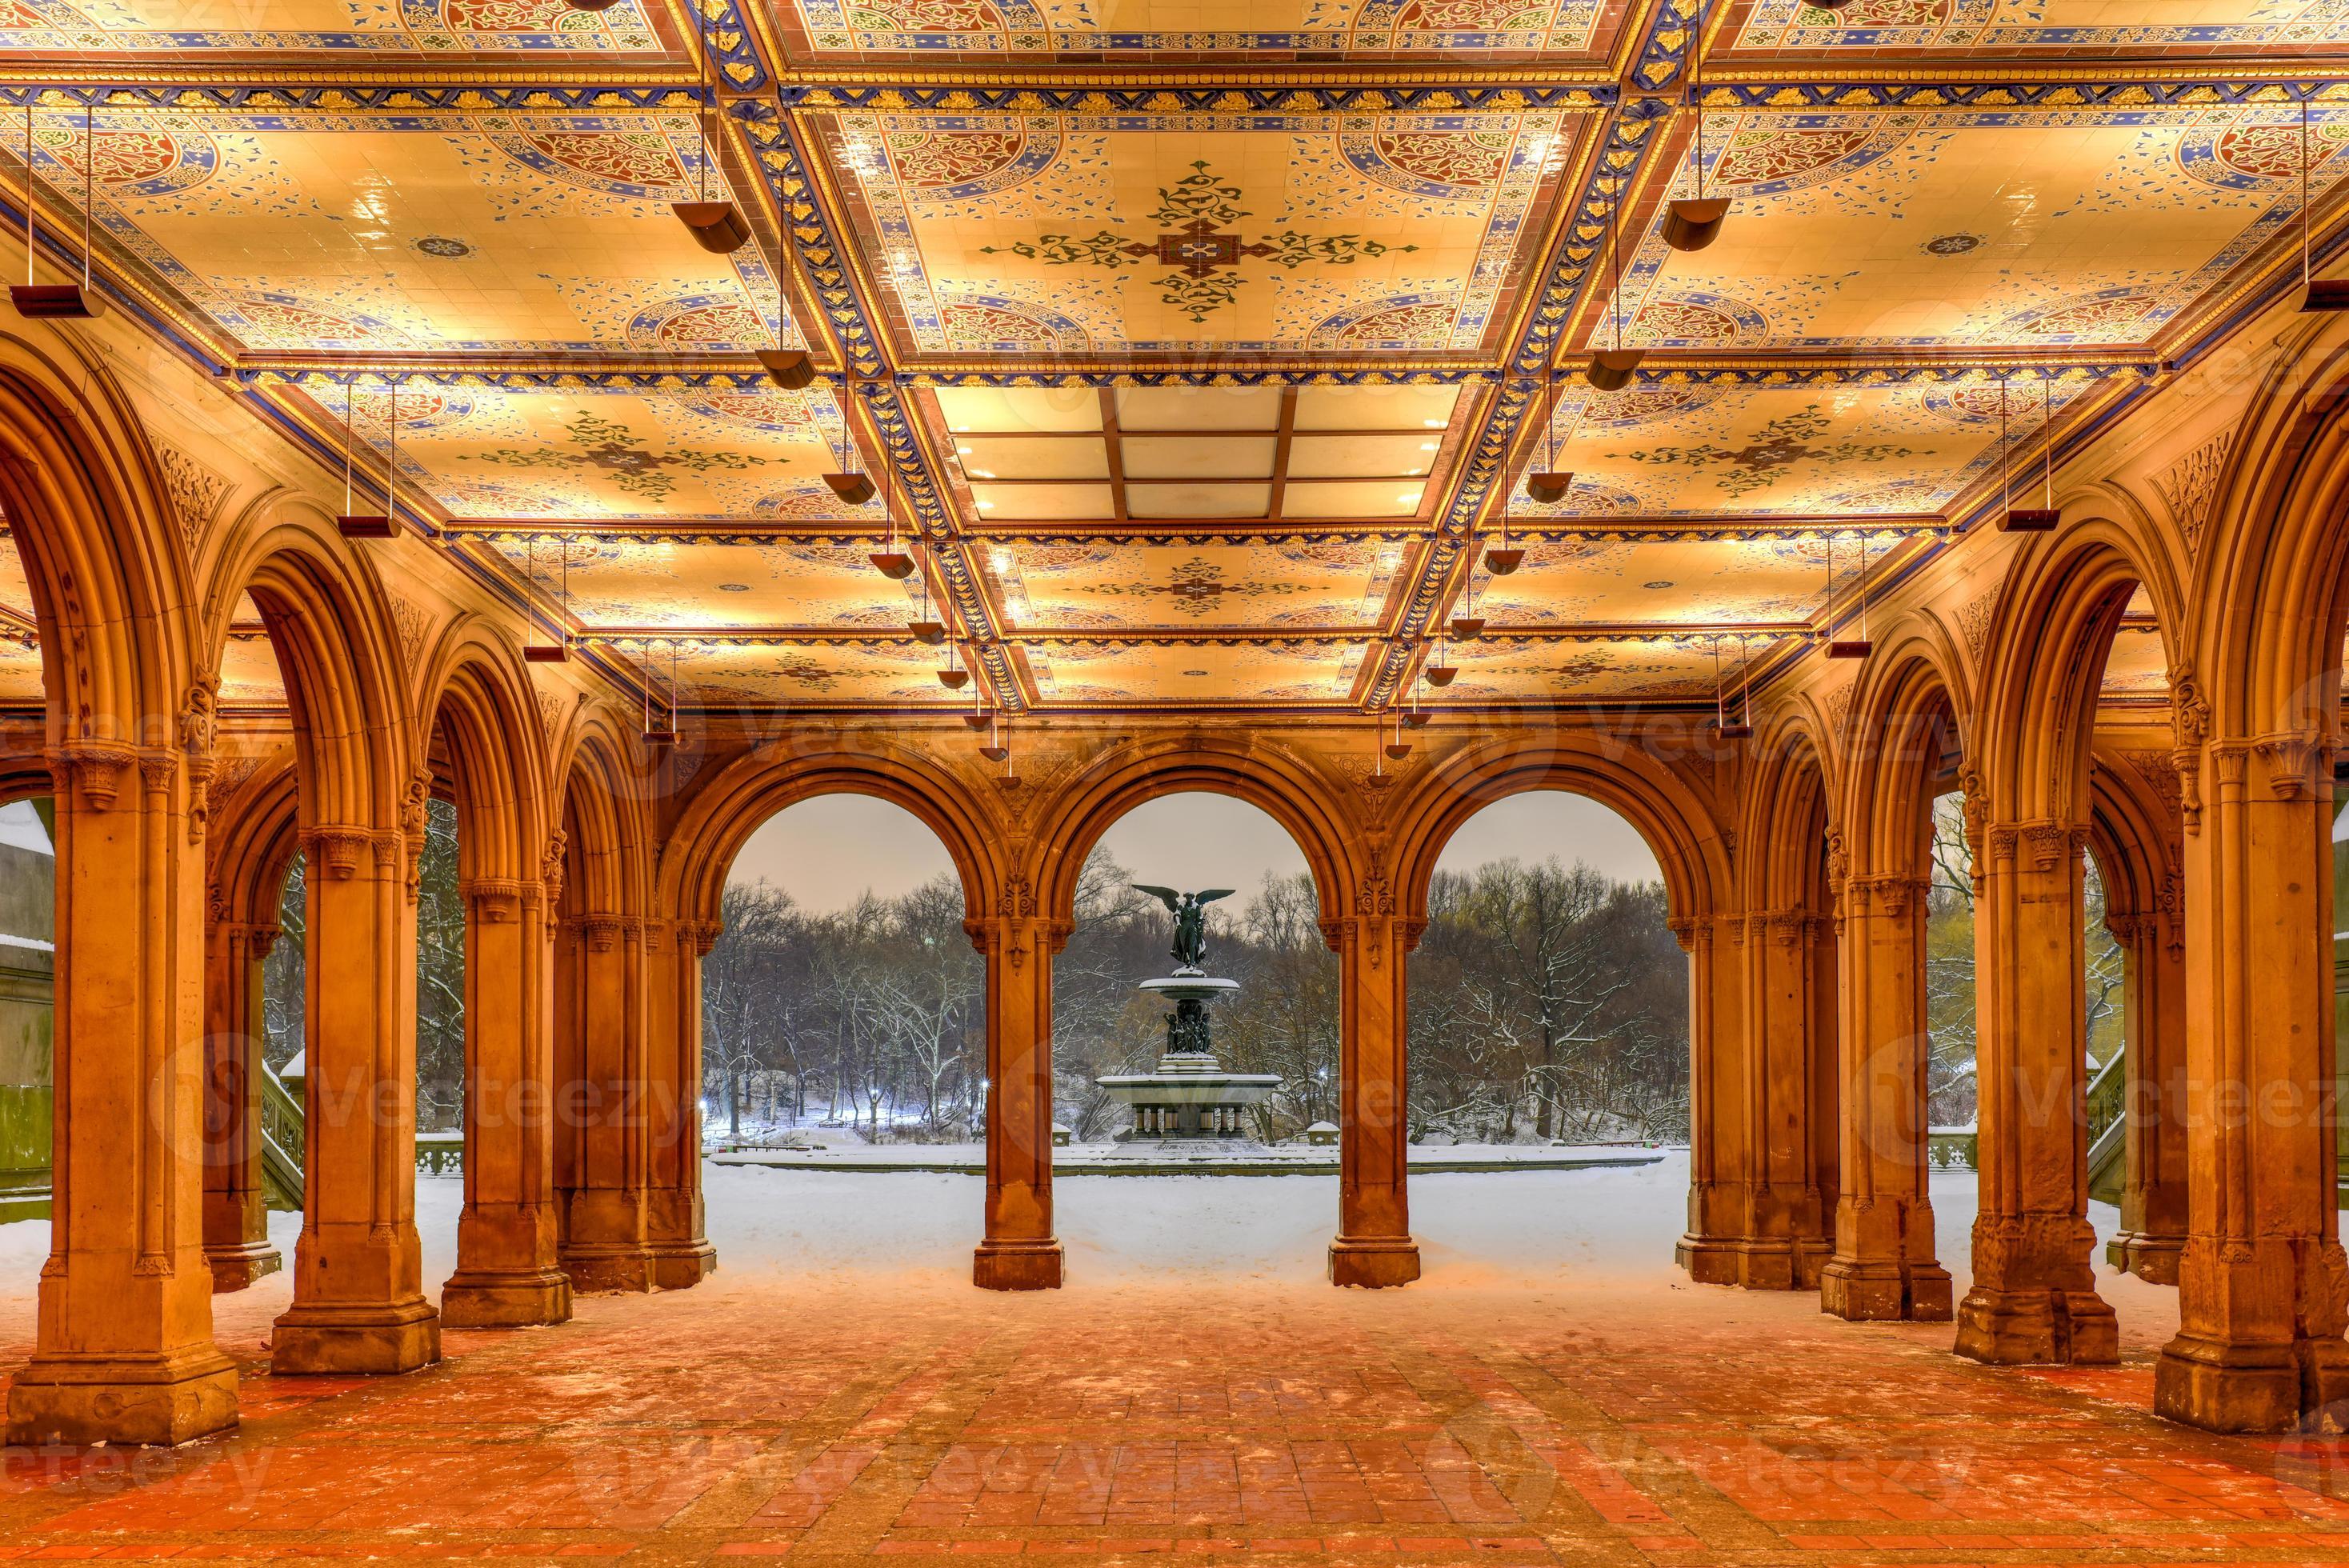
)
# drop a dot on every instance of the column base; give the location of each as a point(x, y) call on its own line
point(2267, 1387)
point(483, 1299)
point(2037, 1328)
point(366, 1339)
point(1707, 1260)
point(1373, 1262)
point(238, 1265)
point(160, 1402)
point(1860, 1292)
point(681, 1266)
point(620, 1270)
point(2152, 1258)
point(1016, 1265)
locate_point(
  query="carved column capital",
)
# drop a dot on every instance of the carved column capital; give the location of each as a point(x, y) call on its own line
point(91, 770)
point(494, 901)
point(2297, 765)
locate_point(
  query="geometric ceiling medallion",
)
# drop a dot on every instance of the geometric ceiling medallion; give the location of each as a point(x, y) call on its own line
point(2043, 517)
point(57, 302)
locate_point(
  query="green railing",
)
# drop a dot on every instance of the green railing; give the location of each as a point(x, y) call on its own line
point(1950, 1148)
point(2108, 1129)
point(281, 1140)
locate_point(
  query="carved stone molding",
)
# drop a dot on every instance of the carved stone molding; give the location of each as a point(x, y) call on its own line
point(336, 852)
point(92, 769)
point(494, 901)
point(1974, 623)
point(413, 624)
point(2045, 842)
point(2190, 487)
point(196, 492)
point(2296, 764)
point(1889, 895)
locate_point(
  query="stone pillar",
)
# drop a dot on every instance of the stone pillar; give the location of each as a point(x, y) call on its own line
point(358, 1288)
point(1782, 1229)
point(1884, 1264)
point(124, 1351)
point(236, 1216)
point(1374, 1245)
point(2153, 1187)
point(507, 1274)
point(600, 1102)
point(1719, 1146)
point(1019, 1250)
point(680, 1252)
point(2261, 1281)
point(2033, 1297)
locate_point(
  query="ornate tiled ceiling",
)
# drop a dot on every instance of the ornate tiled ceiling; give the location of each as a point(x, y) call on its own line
point(1198, 348)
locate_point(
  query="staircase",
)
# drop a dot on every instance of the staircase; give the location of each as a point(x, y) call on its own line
point(2108, 1129)
point(282, 1137)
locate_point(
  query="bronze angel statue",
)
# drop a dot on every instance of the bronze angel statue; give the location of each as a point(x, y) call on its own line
point(1190, 913)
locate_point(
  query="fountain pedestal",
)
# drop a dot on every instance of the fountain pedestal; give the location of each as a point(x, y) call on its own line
point(1190, 1095)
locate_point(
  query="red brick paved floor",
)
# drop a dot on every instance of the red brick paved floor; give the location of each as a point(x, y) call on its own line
point(1265, 1421)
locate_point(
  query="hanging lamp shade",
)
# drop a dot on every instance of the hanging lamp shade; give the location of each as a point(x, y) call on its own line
point(1504, 559)
point(792, 369)
point(1397, 748)
point(977, 720)
point(1549, 486)
point(1467, 628)
point(894, 564)
point(56, 302)
point(853, 489)
point(2326, 295)
point(547, 653)
point(1691, 224)
point(1441, 674)
point(954, 679)
point(591, 4)
point(1733, 729)
point(995, 752)
point(1610, 370)
point(367, 525)
point(2030, 519)
point(716, 226)
point(929, 633)
point(1850, 648)
point(1416, 718)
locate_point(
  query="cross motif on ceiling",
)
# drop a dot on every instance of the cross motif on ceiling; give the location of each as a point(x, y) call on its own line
point(1193, 215)
point(1777, 446)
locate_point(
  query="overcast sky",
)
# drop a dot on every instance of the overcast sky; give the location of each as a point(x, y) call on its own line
point(827, 851)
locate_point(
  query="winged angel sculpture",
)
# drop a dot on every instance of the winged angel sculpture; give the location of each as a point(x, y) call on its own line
point(1190, 913)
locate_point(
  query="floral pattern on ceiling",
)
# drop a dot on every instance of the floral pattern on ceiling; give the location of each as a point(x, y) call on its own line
point(620, 583)
point(863, 672)
point(998, 28)
point(1941, 229)
point(540, 232)
point(1264, 234)
point(1254, 671)
point(669, 454)
point(1768, 579)
point(370, 27)
point(2029, 26)
point(1121, 584)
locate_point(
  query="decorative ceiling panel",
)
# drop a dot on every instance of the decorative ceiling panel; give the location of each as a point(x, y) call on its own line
point(2039, 229)
point(1939, 34)
point(1718, 582)
point(2137, 667)
point(372, 31)
point(871, 672)
point(682, 586)
point(516, 233)
point(666, 455)
point(1121, 586)
point(1332, 234)
point(1126, 674)
point(1274, 31)
point(1698, 449)
point(1544, 669)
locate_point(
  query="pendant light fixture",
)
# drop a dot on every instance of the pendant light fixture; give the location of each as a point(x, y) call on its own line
point(1610, 370)
point(384, 524)
point(954, 677)
point(1721, 724)
point(893, 561)
point(792, 369)
point(999, 741)
point(2043, 517)
point(1468, 625)
point(716, 225)
point(661, 719)
point(558, 650)
point(60, 301)
point(1692, 222)
point(1439, 674)
point(594, 6)
point(1858, 648)
point(2317, 293)
point(1549, 485)
point(1397, 748)
point(851, 483)
point(1418, 716)
point(927, 630)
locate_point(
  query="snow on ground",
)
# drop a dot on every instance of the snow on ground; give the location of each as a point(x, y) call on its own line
point(1609, 1228)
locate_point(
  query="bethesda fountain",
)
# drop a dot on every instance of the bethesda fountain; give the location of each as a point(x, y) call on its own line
point(1190, 1099)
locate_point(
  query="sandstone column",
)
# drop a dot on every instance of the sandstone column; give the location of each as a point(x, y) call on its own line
point(600, 1103)
point(1019, 1250)
point(1884, 1264)
point(1374, 1245)
point(359, 1291)
point(236, 1217)
point(124, 1351)
point(506, 1269)
point(1783, 1217)
point(2263, 1283)
point(680, 1252)
point(2033, 1297)
point(1719, 1147)
point(2152, 1191)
